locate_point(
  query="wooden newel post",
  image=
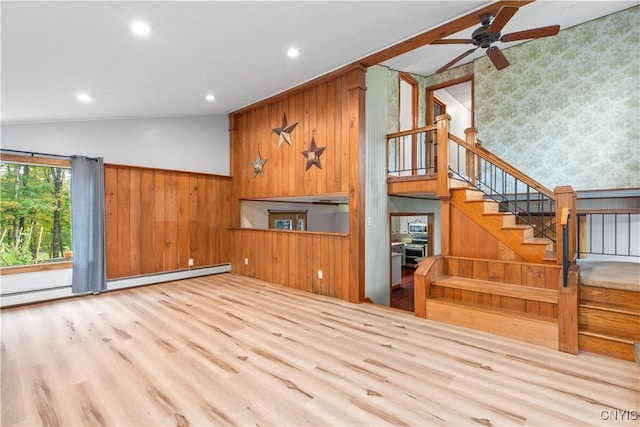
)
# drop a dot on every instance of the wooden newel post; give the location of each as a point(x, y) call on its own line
point(568, 292)
point(566, 199)
point(442, 138)
point(471, 138)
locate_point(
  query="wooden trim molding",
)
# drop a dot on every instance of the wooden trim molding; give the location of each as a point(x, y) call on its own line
point(35, 160)
point(33, 268)
point(153, 169)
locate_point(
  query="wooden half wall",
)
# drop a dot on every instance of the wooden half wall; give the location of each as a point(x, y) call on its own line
point(293, 259)
point(331, 112)
point(156, 220)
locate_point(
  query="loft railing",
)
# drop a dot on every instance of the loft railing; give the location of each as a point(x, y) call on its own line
point(610, 232)
point(530, 201)
point(434, 150)
point(412, 152)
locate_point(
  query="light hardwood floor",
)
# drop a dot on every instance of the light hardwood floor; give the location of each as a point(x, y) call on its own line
point(231, 350)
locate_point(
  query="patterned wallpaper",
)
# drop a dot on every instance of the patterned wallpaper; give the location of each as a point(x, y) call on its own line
point(567, 109)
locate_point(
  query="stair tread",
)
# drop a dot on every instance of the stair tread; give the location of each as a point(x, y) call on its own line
point(497, 213)
point(498, 288)
point(537, 241)
point(606, 337)
point(480, 201)
point(610, 308)
point(517, 227)
point(487, 308)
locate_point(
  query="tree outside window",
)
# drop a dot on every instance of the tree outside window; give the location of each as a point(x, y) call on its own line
point(35, 214)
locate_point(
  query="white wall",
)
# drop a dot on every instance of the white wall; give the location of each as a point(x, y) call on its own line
point(189, 143)
point(377, 247)
point(460, 114)
point(460, 121)
point(325, 218)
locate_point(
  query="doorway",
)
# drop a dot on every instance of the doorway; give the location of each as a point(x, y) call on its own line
point(411, 242)
point(455, 98)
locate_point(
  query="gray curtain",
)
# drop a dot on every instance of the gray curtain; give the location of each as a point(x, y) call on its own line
point(87, 225)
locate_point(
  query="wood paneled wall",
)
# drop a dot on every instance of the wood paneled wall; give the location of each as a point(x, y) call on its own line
point(293, 259)
point(156, 220)
point(468, 239)
point(332, 112)
point(322, 112)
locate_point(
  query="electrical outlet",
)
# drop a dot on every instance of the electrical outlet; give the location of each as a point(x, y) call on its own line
point(319, 274)
point(246, 261)
point(190, 262)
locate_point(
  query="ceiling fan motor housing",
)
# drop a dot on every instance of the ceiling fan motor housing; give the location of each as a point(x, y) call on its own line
point(480, 37)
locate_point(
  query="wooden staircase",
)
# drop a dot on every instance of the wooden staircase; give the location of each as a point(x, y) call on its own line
point(516, 241)
point(495, 274)
point(518, 300)
point(609, 321)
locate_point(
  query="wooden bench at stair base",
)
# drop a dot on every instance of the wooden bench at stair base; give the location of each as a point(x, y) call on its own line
point(532, 328)
point(514, 299)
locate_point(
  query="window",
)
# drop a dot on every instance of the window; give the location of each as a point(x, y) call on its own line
point(35, 210)
point(288, 220)
point(408, 120)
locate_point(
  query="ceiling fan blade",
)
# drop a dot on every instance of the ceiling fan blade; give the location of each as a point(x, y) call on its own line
point(501, 19)
point(497, 57)
point(452, 41)
point(534, 33)
point(458, 58)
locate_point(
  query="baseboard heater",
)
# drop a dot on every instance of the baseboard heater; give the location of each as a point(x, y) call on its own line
point(166, 277)
point(59, 292)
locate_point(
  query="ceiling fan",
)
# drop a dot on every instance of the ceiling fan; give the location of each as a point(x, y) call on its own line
point(489, 32)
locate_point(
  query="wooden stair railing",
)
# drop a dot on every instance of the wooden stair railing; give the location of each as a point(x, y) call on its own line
point(519, 300)
point(531, 202)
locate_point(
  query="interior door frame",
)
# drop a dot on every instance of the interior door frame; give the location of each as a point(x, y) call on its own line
point(411, 81)
point(429, 250)
point(429, 96)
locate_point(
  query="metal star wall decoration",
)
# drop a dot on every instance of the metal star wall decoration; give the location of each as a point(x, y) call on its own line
point(313, 154)
point(284, 132)
point(258, 165)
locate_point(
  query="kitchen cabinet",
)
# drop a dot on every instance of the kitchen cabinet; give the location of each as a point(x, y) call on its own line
point(398, 248)
point(395, 224)
point(396, 268)
point(399, 224)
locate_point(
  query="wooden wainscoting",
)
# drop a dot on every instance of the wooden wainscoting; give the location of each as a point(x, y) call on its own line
point(156, 220)
point(293, 259)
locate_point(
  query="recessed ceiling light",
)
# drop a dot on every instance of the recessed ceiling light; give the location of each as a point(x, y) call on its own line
point(84, 97)
point(140, 28)
point(209, 97)
point(293, 52)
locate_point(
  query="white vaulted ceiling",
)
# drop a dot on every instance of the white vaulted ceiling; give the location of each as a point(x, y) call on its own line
point(235, 50)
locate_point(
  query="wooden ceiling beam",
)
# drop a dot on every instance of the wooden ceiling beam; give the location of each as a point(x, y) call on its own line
point(437, 33)
point(403, 47)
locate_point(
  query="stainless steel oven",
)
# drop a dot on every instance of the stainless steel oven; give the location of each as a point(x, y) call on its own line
point(413, 252)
